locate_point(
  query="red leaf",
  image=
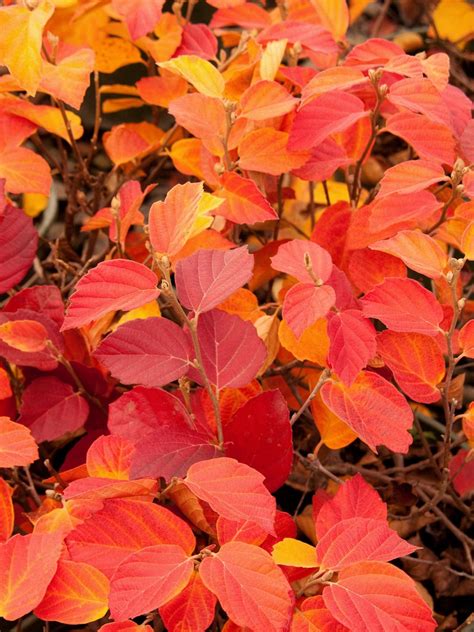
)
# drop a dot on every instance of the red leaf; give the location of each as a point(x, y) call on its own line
point(159, 573)
point(247, 15)
point(233, 490)
point(40, 298)
point(7, 512)
point(245, 574)
point(305, 303)
point(142, 410)
point(122, 527)
point(420, 95)
point(461, 471)
point(27, 565)
point(152, 352)
point(197, 39)
point(17, 446)
point(313, 616)
point(225, 340)
point(378, 597)
point(368, 268)
point(356, 540)
point(93, 489)
point(368, 400)
point(331, 112)
point(238, 531)
point(113, 285)
point(244, 202)
point(397, 212)
point(208, 277)
point(352, 343)
point(125, 626)
point(77, 594)
point(416, 361)
point(193, 609)
point(324, 160)
point(404, 305)
point(52, 408)
point(354, 499)
point(259, 434)
point(430, 140)
point(290, 259)
point(171, 449)
point(18, 243)
point(410, 176)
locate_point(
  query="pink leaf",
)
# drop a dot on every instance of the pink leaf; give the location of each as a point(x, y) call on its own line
point(208, 277)
point(359, 539)
point(52, 408)
point(233, 490)
point(331, 112)
point(354, 499)
point(259, 434)
point(152, 352)
point(378, 597)
point(113, 285)
point(225, 341)
point(290, 259)
point(197, 39)
point(141, 16)
point(242, 573)
point(352, 343)
point(305, 303)
point(404, 305)
point(159, 573)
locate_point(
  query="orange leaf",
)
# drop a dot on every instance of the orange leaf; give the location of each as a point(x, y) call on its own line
point(183, 214)
point(312, 615)
point(418, 251)
point(430, 140)
point(28, 336)
point(334, 432)
point(99, 542)
point(243, 573)
point(367, 400)
point(20, 45)
point(69, 79)
point(27, 564)
point(410, 176)
point(7, 514)
point(159, 574)
point(266, 150)
point(17, 446)
point(204, 117)
point(244, 202)
point(337, 78)
point(110, 456)
point(368, 268)
point(416, 361)
point(5, 387)
point(313, 345)
point(264, 100)
point(24, 171)
point(466, 339)
point(334, 15)
point(129, 141)
point(467, 241)
point(77, 594)
point(125, 626)
point(161, 90)
point(234, 490)
point(193, 609)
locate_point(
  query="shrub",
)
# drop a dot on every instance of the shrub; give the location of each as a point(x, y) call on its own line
point(243, 279)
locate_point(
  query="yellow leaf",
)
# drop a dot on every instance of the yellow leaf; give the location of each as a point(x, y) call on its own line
point(467, 241)
point(271, 59)
point(334, 15)
point(20, 42)
point(356, 8)
point(200, 73)
point(291, 552)
point(140, 313)
point(34, 203)
point(111, 53)
point(454, 20)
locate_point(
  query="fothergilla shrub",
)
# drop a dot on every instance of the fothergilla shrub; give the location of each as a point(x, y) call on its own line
point(236, 247)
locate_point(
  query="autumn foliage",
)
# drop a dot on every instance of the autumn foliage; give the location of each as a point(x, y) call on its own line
point(236, 249)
